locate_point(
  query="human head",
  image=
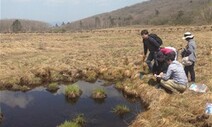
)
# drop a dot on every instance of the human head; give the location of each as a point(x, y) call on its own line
point(144, 34)
point(170, 57)
point(188, 36)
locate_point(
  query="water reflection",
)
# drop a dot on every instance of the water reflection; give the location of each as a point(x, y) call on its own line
point(15, 99)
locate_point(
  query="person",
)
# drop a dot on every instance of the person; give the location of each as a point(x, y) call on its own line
point(169, 49)
point(150, 44)
point(174, 79)
point(160, 66)
point(189, 53)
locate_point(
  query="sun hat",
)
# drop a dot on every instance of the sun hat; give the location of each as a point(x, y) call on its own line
point(188, 35)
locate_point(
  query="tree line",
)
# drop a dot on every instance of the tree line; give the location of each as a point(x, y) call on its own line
point(15, 26)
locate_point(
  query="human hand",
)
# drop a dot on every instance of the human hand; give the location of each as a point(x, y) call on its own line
point(161, 74)
point(157, 76)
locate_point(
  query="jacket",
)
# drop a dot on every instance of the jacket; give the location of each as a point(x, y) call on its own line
point(176, 72)
point(190, 50)
point(151, 44)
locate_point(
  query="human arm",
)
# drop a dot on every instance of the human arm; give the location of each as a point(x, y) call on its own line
point(168, 73)
point(191, 49)
point(145, 50)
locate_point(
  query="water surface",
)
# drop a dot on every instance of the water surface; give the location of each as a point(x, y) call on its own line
point(40, 108)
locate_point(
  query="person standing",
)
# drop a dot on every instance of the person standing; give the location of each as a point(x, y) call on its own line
point(152, 43)
point(189, 55)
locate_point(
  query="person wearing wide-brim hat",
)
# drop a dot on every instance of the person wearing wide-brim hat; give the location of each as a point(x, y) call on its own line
point(189, 55)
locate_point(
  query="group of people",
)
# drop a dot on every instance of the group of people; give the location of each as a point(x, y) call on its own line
point(170, 74)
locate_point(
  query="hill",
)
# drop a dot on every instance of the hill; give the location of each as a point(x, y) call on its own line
point(27, 25)
point(153, 12)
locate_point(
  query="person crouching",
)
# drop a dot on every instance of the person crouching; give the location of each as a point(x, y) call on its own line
point(175, 79)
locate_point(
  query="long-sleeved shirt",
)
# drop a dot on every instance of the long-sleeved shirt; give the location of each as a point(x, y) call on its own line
point(192, 49)
point(176, 72)
point(151, 44)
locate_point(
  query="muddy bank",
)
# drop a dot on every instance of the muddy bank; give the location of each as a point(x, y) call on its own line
point(44, 76)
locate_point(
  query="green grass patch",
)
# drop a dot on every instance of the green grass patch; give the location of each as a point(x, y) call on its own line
point(53, 87)
point(69, 124)
point(99, 93)
point(73, 91)
point(120, 109)
point(119, 85)
point(78, 121)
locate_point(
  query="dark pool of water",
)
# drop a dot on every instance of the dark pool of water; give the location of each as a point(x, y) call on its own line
point(40, 108)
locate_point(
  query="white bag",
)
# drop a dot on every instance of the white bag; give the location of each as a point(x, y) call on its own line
point(186, 61)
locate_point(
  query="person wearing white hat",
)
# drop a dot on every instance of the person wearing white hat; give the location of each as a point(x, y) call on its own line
point(189, 55)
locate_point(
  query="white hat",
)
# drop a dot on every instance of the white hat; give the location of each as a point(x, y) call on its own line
point(188, 35)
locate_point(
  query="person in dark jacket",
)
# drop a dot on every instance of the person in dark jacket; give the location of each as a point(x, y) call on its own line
point(160, 65)
point(149, 44)
point(190, 53)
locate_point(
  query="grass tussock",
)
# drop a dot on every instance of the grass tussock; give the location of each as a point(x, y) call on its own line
point(99, 94)
point(78, 121)
point(69, 124)
point(73, 91)
point(120, 110)
point(119, 85)
point(53, 87)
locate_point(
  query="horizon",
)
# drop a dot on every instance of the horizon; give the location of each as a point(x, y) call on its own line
point(58, 11)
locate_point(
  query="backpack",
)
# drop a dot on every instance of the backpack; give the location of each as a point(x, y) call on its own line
point(158, 39)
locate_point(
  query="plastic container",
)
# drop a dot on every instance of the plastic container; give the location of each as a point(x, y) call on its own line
point(202, 88)
point(208, 109)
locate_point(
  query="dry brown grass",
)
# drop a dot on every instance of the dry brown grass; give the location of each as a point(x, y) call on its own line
point(32, 59)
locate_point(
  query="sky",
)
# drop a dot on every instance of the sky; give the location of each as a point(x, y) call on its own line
point(59, 10)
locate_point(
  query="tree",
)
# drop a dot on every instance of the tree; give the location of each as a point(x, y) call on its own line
point(111, 21)
point(16, 26)
point(180, 14)
point(81, 24)
point(179, 17)
point(63, 24)
point(206, 14)
point(97, 22)
point(157, 12)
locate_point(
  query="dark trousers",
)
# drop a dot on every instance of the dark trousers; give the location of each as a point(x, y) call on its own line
point(190, 69)
point(150, 57)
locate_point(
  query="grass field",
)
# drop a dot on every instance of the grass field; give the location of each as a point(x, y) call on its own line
point(31, 59)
